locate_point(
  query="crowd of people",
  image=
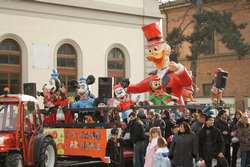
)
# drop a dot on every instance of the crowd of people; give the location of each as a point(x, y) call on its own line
point(197, 138)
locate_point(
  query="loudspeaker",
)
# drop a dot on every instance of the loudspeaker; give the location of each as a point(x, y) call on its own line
point(221, 79)
point(30, 89)
point(105, 87)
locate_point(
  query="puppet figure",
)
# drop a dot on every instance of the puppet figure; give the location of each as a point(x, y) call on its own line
point(83, 99)
point(50, 92)
point(62, 102)
point(159, 96)
point(173, 75)
point(218, 85)
point(124, 102)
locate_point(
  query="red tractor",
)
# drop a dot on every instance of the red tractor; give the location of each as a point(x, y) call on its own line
point(22, 142)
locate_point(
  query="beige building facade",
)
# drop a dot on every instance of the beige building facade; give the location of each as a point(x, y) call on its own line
point(51, 32)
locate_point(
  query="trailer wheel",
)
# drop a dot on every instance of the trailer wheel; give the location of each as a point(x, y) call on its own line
point(14, 160)
point(47, 155)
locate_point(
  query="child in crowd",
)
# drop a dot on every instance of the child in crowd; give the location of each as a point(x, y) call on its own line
point(114, 149)
point(160, 158)
point(154, 134)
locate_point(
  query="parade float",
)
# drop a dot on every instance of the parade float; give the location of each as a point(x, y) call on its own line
point(81, 127)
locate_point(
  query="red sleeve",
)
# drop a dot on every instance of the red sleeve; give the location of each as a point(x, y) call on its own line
point(185, 79)
point(141, 87)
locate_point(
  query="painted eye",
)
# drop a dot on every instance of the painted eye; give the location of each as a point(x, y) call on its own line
point(150, 51)
point(155, 49)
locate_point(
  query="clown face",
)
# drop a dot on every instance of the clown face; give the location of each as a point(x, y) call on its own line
point(120, 93)
point(158, 54)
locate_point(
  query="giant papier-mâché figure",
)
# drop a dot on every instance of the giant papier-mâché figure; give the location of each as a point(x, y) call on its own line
point(84, 98)
point(174, 76)
point(50, 94)
point(124, 101)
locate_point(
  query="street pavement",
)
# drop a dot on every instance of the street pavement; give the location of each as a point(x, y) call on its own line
point(93, 164)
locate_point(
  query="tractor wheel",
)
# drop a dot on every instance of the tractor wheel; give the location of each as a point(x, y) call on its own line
point(47, 155)
point(14, 160)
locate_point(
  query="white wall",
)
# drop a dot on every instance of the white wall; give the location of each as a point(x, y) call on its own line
point(93, 40)
point(131, 3)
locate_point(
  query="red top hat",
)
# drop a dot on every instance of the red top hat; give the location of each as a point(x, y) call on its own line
point(152, 33)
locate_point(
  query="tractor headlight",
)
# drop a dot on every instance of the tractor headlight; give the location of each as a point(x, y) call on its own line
point(2, 140)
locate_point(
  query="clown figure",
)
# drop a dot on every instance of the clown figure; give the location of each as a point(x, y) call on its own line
point(174, 77)
point(124, 103)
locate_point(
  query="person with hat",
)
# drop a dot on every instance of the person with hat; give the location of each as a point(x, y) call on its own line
point(114, 149)
point(174, 76)
point(211, 144)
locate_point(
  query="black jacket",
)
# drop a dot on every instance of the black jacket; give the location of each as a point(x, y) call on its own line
point(210, 142)
point(115, 151)
point(160, 123)
point(223, 126)
point(137, 132)
point(183, 149)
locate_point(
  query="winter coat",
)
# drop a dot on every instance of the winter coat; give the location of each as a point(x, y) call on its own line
point(169, 124)
point(137, 131)
point(151, 149)
point(114, 150)
point(210, 143)
point(160, 159)
point(183, 149)
point(223, 126)
point(244, 136)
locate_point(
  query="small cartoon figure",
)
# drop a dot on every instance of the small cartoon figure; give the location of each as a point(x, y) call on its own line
point(159, 96)
point(124, 102)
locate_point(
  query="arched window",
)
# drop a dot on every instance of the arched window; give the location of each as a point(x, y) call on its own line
point(116, 64)
point(10, 66)
point(67, 65)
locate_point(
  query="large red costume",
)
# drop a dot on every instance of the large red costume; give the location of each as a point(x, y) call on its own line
point(174, 76)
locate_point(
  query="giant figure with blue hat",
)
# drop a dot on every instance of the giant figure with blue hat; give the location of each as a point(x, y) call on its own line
point(84, 98)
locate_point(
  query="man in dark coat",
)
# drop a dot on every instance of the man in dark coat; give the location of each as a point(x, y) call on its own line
point(137, 136)
point(114, 149)
point(184, 147)
point(222, 124)
point(211, 144)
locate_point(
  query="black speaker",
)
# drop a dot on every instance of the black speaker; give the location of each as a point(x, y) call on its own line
point(105, 87)
point(221, 79)
point(30, 89)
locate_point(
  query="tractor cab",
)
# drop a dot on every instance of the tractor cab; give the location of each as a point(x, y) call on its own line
point(22, 142)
